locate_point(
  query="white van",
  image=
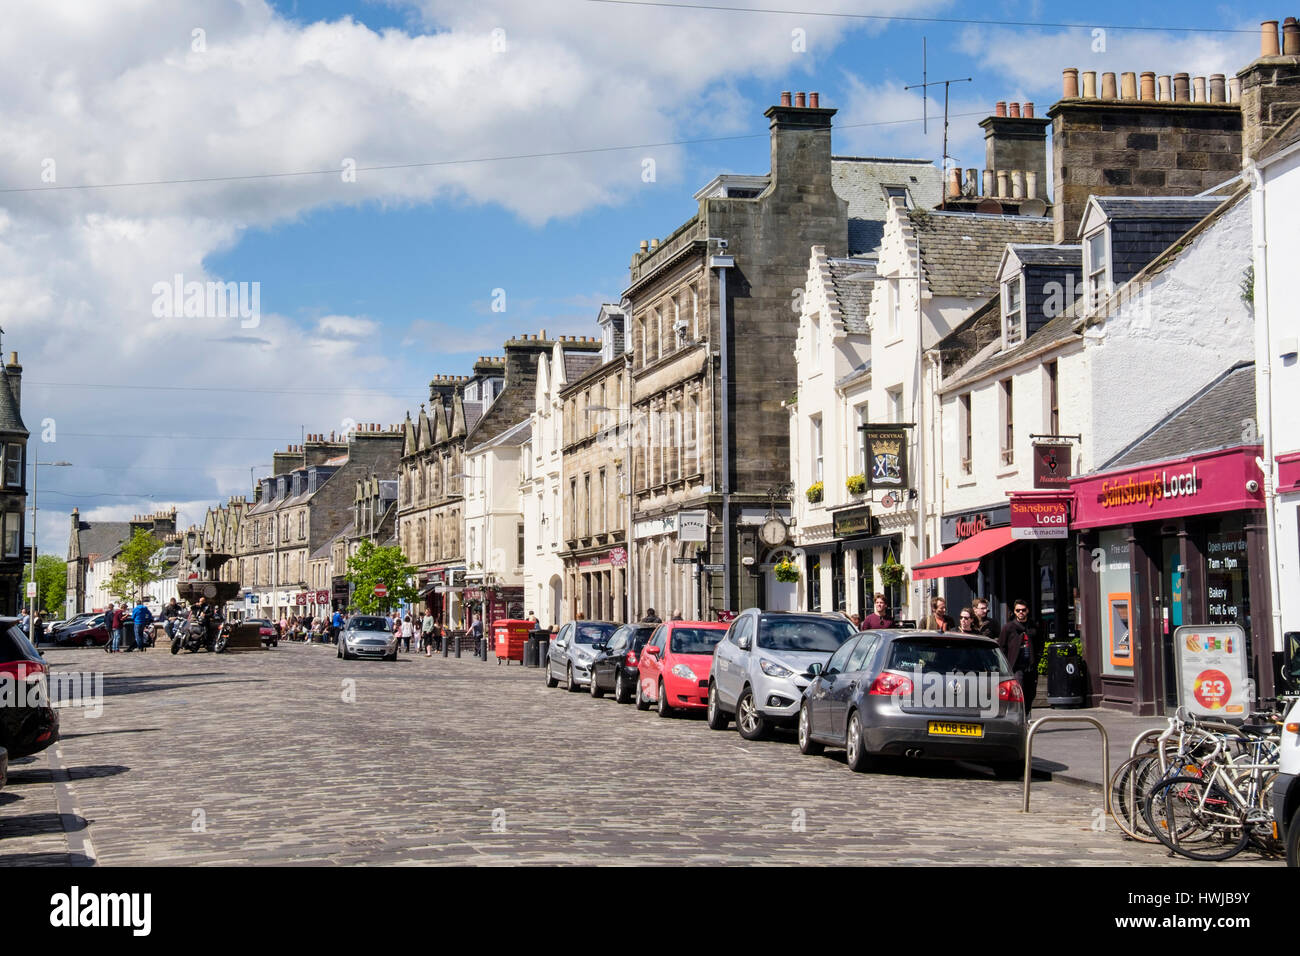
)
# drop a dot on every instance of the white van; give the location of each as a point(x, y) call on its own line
point(1286, 788)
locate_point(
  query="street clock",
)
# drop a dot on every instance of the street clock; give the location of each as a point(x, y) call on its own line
point(773, 532)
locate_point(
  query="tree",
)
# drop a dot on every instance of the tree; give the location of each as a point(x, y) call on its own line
point(137, 565)
point(372, 565)
point(51, 582)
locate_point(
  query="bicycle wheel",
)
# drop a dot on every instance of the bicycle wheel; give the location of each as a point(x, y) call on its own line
point(1260, 818)
point(1195, 819)
point(1128, 786)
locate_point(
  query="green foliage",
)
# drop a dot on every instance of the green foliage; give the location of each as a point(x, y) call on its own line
point(136, 567)
point(372, 565)
point(51, 583)
point(1247, 285)
point(892, 574)
point(786, 571)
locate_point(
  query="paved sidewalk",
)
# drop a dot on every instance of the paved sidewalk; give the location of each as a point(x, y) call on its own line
point(1071, 752)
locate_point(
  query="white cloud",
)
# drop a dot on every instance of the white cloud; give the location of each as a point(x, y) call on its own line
point(346, 325)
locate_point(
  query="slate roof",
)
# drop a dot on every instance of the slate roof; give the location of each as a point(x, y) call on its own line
point(10, 419)
point(1157, 207)
point(860, 180)
point(101, 537)
point(578, 364)
point(961, 251)
point(1210, 420)
point(852, 281)
point(473, 412)
point(1068, 255)
point(513, 436)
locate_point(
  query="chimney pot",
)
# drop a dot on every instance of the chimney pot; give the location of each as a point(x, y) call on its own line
point(1217, 88)
point(1070, 82)
point(971, 187)
point(1002, 184)
point(988, 183)
point(1268, 45)
point(799, 101)
point(954, 183)
point(785, 97)
point(1000, 108)
point(1291, 37)
point(1108, 91)
point(644, 246)
point(814, 100)
point(1015, 110)
point(1090, 85)
point(1029, 111)
point(1148, 91)
point(1234, 90)
point(1017, 184)
point(1031, 184)
point(1164, 88)
point(1128, 86)
point(1181, 90)
point(1198, 89)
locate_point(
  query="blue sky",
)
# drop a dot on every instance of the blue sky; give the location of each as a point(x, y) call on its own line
point(383, 283)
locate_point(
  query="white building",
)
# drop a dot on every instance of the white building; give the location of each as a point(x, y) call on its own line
point(494, 524)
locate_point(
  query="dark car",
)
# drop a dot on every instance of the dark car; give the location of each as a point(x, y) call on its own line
point(28, 722)
point(573, 650)
point(916, 694)
point(52, 633)
point(266, 631)
point(615, 666)
point(90, 632)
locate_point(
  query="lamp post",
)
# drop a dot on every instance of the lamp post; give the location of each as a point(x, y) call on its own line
point(37, 465)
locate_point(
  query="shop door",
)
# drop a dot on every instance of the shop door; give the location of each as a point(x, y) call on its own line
point(866, 575)
point(837, 581)
point(1169, 595)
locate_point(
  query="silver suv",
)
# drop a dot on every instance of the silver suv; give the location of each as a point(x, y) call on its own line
point(760, 669)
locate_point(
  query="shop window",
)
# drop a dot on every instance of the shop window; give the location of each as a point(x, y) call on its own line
point(1116, 602)
point(814, 583)
point(1227, 581)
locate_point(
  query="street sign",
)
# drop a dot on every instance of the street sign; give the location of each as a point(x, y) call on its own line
point(714, 568)
point(31, 589)
point(683, 560)
point(381, 590)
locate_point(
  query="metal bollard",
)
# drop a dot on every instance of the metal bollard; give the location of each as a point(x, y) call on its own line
point(446, 645)
point(456, 638)
point(482, 648)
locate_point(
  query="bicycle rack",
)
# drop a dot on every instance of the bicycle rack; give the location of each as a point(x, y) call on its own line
point(1059, 719)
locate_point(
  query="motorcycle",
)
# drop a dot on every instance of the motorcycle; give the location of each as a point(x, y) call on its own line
point(195, 634)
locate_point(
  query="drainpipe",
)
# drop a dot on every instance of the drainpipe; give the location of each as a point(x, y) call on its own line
point(722, 263)
point(1264, 370)
point(919, 404)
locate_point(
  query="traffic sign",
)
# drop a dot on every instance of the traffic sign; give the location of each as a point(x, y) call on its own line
point(31, 589)
point(381, 590)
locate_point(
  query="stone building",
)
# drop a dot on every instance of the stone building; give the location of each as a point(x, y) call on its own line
point(100, 560)
point(593, 482)
point(713, 313)
point(13, 493)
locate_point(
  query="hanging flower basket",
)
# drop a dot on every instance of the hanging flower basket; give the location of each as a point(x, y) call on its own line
point(857, 484)
point(892, 574)
point(814, 492)
point(786, 571)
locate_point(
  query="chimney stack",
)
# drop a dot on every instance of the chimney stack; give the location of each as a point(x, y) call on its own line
point(1018, 141)
point(15, 373)
point(800, 141)
point(1269, 88)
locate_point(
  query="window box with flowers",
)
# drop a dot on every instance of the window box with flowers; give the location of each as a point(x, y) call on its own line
point(786, 571)
point(814, 492)
point(857, 484)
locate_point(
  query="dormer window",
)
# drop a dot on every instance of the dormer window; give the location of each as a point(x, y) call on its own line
point(1013, 311)
point(897, 192)
point(1096, 268)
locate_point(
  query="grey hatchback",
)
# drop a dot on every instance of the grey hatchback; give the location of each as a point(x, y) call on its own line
point(916, 694)
point(367, 635)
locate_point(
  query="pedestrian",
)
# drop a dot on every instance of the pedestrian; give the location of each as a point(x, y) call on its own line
point(408, 631)
point(856, 620)
point(141, 618)
point(38, 628)
point(676, 616)
point(1019, 643)
point(114, 619)
point(880, 619)
point(24, 622)
point(336, 625)
point(476, 629)
point(939, 619)
point(651, 617)
point(983, 623)
point(426, 632)
point(966, 621)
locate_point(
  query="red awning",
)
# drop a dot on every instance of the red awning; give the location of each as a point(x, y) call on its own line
point(964, 556)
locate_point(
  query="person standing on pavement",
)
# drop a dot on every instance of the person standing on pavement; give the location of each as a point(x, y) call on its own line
point(426, 632)
point(880, 619)
point(113, 617)
point(408, 632)
point(651, 617)
point(983, 623)
point(24, 622)
point(38, 628)
point(939, 619)
point(966, 621)
point(1019, 643)
point(141, 618)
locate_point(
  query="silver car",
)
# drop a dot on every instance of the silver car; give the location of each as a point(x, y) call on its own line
point(573, 651)
point(367, 635)
point(760, 669)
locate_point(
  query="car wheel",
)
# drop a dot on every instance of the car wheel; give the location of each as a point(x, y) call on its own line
point(662, 702)
point(716, 717)
point(620, 687)
point(749, 719)
point(546, 666)
point(859, 762)
point(391, 657)
point(339, 651)
point(90, 642)
point(572, 685)
point(595, 691)
point(806, 744)
point(641, 702)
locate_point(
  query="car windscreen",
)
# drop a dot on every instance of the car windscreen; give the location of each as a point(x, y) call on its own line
point(368, 624)
point(593, 633)
point(938, 656)
point(14, 646)
point(791, 633)
point(643, 634)
point(696, 640)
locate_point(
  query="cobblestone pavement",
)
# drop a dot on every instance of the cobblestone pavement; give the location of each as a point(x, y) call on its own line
point(258, 758)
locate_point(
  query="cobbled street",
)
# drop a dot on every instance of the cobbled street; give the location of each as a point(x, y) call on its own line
point(258, 759)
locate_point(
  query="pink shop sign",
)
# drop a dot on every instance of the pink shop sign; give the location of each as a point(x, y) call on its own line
point(1198, 484)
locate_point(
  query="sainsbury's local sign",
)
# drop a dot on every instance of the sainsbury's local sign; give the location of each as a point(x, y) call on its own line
point(1040, 518)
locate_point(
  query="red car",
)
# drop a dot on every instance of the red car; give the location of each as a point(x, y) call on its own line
point(674, 666)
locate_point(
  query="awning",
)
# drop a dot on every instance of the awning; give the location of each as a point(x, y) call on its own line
point(964, 556)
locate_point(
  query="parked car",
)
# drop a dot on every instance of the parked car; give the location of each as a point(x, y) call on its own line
point(760, 667)
point(615, 665)
point(573, 651)
point(265, 630)
point(91, 632)
point(1286, 787)
point(55, 627)
point(924, 694)
point(675, 665)
point(31, 724)
point(368, 635)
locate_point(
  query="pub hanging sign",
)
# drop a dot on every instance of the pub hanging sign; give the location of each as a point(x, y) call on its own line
point(886, 447)
point(1052, 466)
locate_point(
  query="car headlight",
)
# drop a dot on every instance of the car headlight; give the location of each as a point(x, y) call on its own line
point(773, 669)
point(684, 672)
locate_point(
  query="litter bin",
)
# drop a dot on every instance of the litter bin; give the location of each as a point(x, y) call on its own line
point(1065, 678)
point(509, 636)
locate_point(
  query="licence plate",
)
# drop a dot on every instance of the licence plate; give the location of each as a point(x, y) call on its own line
point(939, 728)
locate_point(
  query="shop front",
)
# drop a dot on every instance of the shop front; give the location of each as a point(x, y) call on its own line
point(1180, 542)
point(493, 603)
point(598, 579)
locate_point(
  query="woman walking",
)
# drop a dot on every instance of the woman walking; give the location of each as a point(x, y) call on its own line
point(408, 632)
